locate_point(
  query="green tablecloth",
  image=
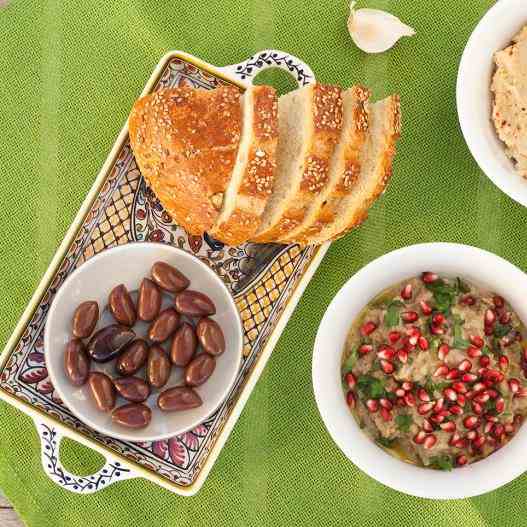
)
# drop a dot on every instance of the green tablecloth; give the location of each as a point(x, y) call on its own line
point(70, 73)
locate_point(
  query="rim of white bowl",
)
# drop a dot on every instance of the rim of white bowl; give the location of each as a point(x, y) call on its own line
point(472, 480)
point(122, 435)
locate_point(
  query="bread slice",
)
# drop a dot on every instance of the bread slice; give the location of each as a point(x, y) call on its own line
point(310, 121)
point(185, 143)
point(252, 179)
point(376, 169)
point(344, 167)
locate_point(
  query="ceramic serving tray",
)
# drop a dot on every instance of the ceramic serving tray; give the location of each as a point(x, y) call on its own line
point(266, 282)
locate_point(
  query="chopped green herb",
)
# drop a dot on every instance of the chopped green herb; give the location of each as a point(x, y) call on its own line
point(403, 422)
point(351, 360)
point(486, 350)
point(444, 295)
point(490, 406)
point(432, 387)
point(459, 341)
point(391, 318)
point(462, 287)
point(385, 442)
point(370, 387)
point(441, 463)
point(501, 330)
point(434, 344)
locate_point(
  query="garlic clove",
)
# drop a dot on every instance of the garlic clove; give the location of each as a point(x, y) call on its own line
point(375, 31)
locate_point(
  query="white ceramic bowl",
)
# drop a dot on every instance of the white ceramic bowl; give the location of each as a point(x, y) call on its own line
point(476, 265)
point(494, 32)
point(129, 264)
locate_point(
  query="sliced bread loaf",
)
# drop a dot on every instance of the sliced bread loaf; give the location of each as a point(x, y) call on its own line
point(376, 157)
point(310, 121)
point(252, 179)
point(344, 167)
point(185, 142)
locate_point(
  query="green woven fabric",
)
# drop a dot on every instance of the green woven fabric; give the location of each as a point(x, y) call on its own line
point(70, 73)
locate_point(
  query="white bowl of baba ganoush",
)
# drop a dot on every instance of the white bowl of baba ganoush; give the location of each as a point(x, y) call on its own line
point(420, 370)
point(492, 96)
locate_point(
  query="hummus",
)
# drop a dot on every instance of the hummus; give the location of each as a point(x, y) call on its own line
point(435, 371)
point(509, 111)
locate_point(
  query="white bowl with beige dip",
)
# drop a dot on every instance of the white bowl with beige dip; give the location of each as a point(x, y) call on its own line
point(475, 100)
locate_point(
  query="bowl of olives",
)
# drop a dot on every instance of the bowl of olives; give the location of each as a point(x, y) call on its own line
point(143, 342)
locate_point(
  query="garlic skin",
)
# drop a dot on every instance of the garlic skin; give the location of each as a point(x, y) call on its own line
point(375, 31)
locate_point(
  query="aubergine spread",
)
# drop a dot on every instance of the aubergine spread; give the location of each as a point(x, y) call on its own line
point(435, 371)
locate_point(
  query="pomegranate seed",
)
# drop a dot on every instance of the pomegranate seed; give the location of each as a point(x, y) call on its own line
point(500, 404)
point(518, 420)
point(514, 385)
point(402, 355)
point(498, 301)
point(409, 316)
point(385, 352)
point(430, 441)
point(522, 392)
point(425, 308)
point(386, 414)
point(422, 343)
point(492, 393)
point(507, 341)
point(461, 399)
point(490, 317)
point(469, 377)
point(450, 394)
point(442, 352)
point(437, 330)
point(441, 371)
point(489, 330)
point(400, 402)
point(474, 352)
point(365, 348)
point(498, 430)
point(488, 427)
point(372, 405)
point(387, 366)
point(477, 341)
point(504, 363)
point(491, 418)
point(478, 387)
point(386, 403)
point(438, 319)
point(439, 404)
point(350, 380)
point(453, 374)
point(394, 336)
point(477, 408)
point(419, 438)
point(408, 346)
point(368, 328)
point(484, 361)
point(459, 387)
point(494, 376)
point(449, 426)
point(509, 428)
point(437, 418)
point(454, 438)
point(471, 435)
point(407, 385)
point(409, 399)
point(464, 366)
point(400, 392)
point(406, 293)
point(424, 408)
point(505, 318)
point(461, 460)
point(429, 278)
point(423, 395)
point(427, 426)
point(470, 422)
point(350, 399)
point(482, 397)
point(479, 441)
point(468, 300)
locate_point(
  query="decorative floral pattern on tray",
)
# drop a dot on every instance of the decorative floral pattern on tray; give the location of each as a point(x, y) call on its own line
point(261, 278)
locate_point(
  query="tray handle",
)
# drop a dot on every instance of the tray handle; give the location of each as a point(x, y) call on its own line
point(112, 471)
point(270, 58)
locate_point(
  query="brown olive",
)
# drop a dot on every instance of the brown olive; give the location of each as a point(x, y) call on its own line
point(210, 336)
point(76, 362)
point(169, 278)
point(102, 390)
point(85, 319)
point(148, 300)
point(122, 306)
point(164, 325)
point(194, 304)
point(178, 399)
point(132, 415)
point(133, 357)
point(199, 369)
point(132, 389)
point(183, 345)
point(108, 342)
point(158, 368)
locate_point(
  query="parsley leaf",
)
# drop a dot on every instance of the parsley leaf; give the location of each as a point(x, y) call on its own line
point(403, 422)
point(432, 387)
point(392, 314)
point(385, 442)
point(462, 287)
point(459, 341)
point(501, 330)
point(444, 295)
point(442, 463)
point(351, 360)
point(370, 387)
